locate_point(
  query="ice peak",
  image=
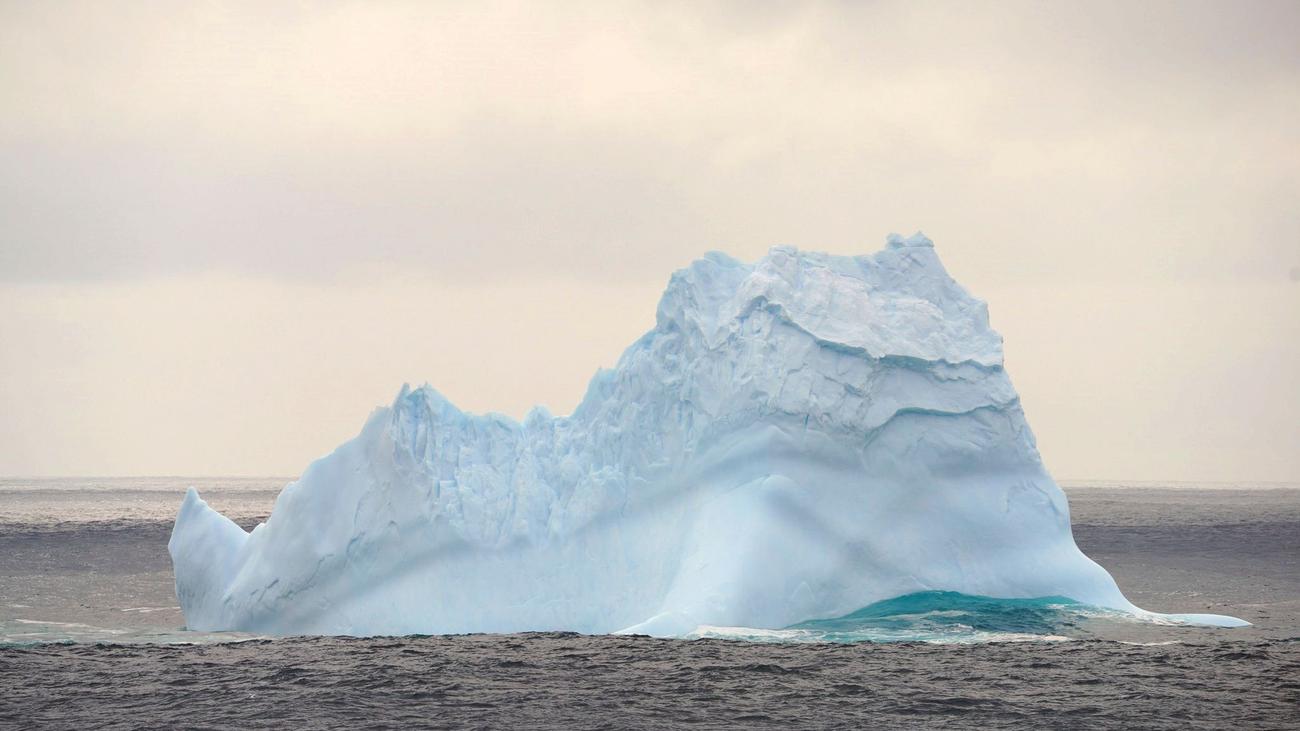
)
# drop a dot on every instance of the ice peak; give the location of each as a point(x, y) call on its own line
point(916, 240)
point(898, 301)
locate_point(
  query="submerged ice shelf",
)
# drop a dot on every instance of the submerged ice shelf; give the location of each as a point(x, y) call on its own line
point(795, 440)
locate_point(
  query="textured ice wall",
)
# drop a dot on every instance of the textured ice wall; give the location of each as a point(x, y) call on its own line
point(795, 439)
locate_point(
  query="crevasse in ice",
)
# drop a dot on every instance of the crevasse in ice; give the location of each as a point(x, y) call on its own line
point(794, 440)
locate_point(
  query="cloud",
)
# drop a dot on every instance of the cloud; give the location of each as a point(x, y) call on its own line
point(617, 141)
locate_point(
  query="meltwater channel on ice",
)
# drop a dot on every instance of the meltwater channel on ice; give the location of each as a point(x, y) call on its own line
point(796, 440)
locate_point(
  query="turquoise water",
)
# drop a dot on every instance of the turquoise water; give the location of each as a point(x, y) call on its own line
point(944, 612)
point(944, 617)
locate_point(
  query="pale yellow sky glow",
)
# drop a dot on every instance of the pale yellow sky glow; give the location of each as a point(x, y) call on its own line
point(230, 230)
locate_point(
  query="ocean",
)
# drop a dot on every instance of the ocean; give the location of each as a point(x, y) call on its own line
point(91, 637)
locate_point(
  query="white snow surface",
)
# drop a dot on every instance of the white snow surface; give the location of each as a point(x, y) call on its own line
point(795, 439)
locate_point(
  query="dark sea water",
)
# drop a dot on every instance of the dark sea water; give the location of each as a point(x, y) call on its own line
point(91, 637)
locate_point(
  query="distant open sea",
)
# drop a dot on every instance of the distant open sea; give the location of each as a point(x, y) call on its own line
point(91, 637)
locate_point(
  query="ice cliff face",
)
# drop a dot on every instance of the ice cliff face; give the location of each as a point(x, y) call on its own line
point(795, 439)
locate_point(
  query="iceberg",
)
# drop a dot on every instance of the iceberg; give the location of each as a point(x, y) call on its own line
point(794, 440)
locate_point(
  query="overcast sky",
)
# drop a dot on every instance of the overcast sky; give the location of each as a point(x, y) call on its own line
point(228, 231)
